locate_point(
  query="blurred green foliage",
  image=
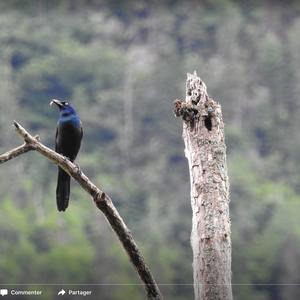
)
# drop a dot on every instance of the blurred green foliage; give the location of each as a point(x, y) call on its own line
point(121, 64)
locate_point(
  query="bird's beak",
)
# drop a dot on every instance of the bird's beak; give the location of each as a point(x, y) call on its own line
point(57, 102)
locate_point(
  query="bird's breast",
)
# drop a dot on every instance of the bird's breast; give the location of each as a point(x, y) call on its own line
point(68, 139)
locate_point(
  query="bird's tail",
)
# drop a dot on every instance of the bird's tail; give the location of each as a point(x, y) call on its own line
point(62, 190)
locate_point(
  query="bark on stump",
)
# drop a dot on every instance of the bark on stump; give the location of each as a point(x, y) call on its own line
point(205, 149)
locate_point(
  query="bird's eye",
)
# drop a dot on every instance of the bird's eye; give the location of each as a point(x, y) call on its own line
point(66, 103)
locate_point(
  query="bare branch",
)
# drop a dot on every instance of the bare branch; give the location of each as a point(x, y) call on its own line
point(14, 152)
point(102, 201)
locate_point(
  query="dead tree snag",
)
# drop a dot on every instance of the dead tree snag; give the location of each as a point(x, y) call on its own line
point(205, 149)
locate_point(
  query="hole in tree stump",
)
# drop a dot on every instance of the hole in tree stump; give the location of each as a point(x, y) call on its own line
point(208, 123)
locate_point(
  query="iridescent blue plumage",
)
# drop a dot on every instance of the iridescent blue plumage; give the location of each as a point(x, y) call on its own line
point(68, 114)
point(67, 142)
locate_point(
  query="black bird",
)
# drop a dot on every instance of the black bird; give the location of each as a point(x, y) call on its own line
point(67, 142)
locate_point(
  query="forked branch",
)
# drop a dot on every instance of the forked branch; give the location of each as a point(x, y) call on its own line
point(102, 201)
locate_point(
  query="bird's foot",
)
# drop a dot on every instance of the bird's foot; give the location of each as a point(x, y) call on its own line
point(65, 158)
point(78, 170)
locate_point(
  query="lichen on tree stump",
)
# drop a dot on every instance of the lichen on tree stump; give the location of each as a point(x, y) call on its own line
point(205, 149)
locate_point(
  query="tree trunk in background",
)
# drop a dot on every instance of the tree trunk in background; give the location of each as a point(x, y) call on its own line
point(203, 134)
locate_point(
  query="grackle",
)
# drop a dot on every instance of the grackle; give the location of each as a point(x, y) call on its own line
point(67, 142)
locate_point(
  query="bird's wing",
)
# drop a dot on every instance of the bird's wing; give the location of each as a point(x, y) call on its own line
point(81, 131)
point(56, 142)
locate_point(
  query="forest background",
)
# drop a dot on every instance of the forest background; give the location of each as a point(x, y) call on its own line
point(122, 63)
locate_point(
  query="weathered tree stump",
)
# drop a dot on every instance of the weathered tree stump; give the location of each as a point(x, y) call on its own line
point(205, 149)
